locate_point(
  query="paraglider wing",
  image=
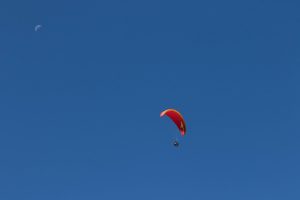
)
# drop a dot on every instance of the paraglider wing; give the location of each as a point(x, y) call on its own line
point(37, 27)
point(177, 118)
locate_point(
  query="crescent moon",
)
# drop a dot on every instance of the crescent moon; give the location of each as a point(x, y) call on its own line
point(37, 27)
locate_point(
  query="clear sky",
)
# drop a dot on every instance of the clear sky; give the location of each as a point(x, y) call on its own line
point(80, 100)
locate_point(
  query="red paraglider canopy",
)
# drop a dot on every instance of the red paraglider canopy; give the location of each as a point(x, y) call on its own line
point(176, 118)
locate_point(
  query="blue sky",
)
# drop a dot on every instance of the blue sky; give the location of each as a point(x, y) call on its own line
point(80, 100)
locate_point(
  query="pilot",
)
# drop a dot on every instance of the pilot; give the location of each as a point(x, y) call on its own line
point(176, 143)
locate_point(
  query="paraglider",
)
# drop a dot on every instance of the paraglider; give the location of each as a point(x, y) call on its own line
point(37, 27)
point(178, 119)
